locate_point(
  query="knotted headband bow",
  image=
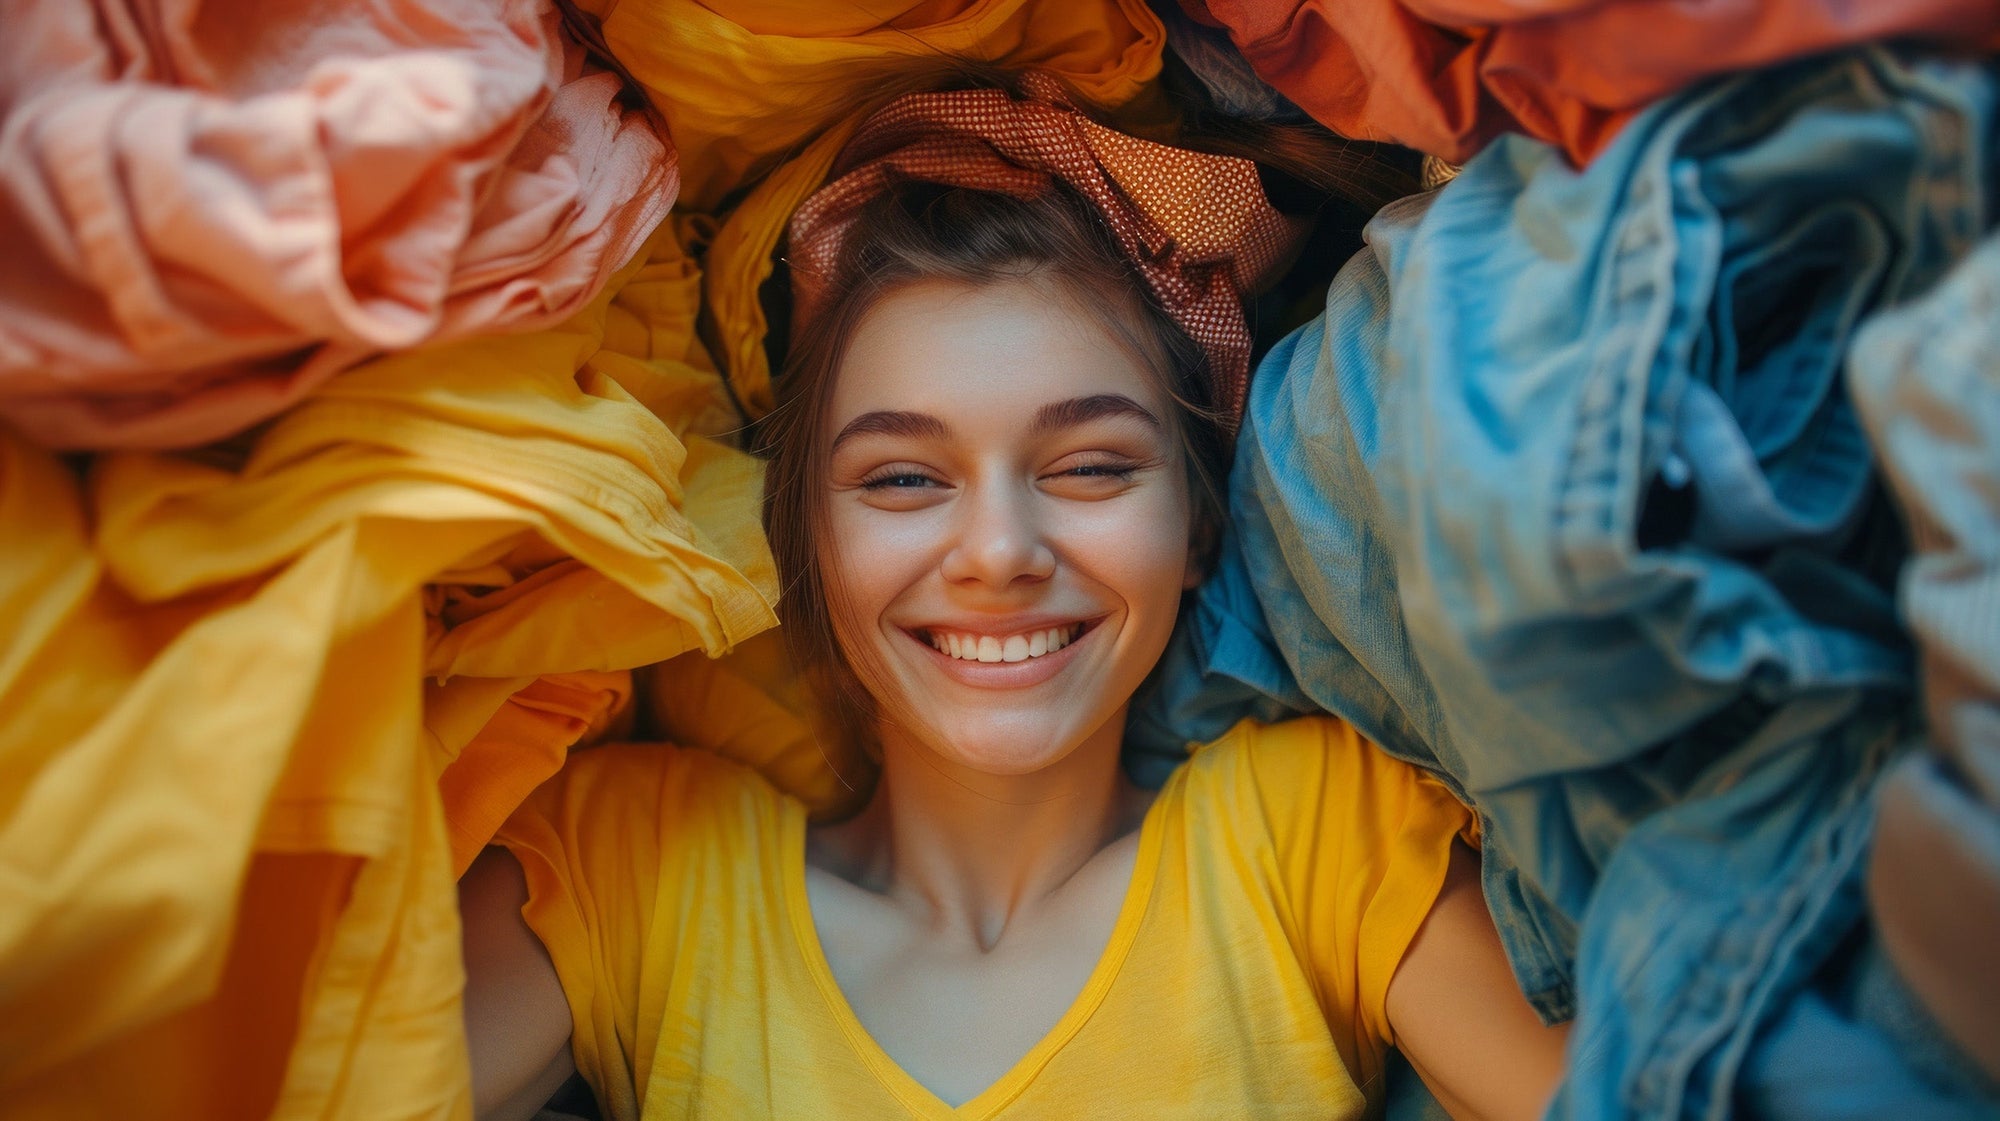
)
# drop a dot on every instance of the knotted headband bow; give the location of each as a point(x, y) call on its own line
point(1196, 226)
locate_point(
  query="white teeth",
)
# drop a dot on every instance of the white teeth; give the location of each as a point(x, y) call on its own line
point(991, 648)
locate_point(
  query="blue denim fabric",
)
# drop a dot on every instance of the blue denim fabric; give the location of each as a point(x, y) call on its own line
point(1563, 498)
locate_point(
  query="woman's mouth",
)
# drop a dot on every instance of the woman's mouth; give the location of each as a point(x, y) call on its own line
point(1019, 646)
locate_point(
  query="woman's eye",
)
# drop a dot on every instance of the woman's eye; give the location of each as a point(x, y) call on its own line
point(1103, 471)
point(898, 480)
point(1104, 478)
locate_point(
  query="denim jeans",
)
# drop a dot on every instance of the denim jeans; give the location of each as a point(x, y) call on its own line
point(1563, 498)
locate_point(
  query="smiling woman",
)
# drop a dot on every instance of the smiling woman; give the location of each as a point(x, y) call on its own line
point(994, 473)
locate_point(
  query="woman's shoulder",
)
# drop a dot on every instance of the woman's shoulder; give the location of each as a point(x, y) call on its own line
point(625, 788)
point(1290, 774)
point(1296, 748)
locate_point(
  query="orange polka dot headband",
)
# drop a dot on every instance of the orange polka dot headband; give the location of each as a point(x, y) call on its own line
point(1196, 226)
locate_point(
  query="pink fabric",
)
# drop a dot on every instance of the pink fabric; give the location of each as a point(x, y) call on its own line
point(1447, 76)
point(206, 209)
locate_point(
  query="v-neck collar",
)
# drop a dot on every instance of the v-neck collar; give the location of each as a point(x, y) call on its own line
point(914, 1095)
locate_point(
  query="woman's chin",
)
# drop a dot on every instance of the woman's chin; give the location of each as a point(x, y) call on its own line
point(1010, 748)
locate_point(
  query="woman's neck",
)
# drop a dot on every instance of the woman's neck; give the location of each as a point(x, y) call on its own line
point(972, 852)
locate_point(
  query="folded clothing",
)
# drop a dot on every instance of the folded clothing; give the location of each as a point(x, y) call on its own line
point(210, 209)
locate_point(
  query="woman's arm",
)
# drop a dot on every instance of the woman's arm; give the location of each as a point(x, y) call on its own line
point(516, 1019)
point(1459, 1015)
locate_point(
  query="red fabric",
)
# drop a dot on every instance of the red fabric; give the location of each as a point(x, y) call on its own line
point(1196, 226)
point(208, 207)
point(1447, 76)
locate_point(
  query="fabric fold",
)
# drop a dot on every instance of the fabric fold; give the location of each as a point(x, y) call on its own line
point(747, 84)
point(1448, 76)
point(210, 210)
point(268, 648)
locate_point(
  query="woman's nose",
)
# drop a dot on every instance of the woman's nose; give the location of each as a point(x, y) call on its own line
point(999, 539)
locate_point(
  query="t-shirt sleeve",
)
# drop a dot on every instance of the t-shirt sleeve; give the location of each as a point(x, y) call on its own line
point(610, 850)
point(1362, 842)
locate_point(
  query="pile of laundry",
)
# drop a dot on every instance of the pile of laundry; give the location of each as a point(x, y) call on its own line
point(373, 381)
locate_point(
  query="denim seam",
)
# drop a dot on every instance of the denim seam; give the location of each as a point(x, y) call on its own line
point(1733, 962)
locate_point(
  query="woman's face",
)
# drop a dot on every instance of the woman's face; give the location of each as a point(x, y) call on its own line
point(1009, 520)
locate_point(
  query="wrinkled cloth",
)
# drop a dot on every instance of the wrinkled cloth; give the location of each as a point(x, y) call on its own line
point(1195, 227)
point(208, 209)
point(274, 651)
point(520, 746)
point(747, 84)
point(754, 707)
point(1926, 377)
point(1225, 75)
point(1563, 497)
point(1447, 76)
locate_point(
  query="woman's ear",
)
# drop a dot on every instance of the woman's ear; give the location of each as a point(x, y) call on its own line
point(1203, 543)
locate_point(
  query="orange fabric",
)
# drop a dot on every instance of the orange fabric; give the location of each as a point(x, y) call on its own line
point(1196, 226)
point(1447, 76)
point(209, 208)
point(520, 747)
point(224, 1057)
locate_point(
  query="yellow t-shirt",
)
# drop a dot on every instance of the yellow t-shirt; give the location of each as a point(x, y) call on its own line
point(1281, 874)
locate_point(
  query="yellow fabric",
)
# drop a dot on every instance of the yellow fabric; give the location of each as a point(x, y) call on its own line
point(764, 97)
point(1281, 874)
point(276, 648)
point(751, 706)
point(743, 83)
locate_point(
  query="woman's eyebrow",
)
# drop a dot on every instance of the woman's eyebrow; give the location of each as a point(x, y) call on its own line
point(1082, 410)
point(915, 426)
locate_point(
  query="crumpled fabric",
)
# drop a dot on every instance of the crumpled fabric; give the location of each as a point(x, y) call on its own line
point(1447, 76)
point(208, 209)
point(1926, 379)
point(1564, 498)
point(1224, 74)
point(754, 707)
point(746, 84)
point(239, 674)
point(521, 745)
